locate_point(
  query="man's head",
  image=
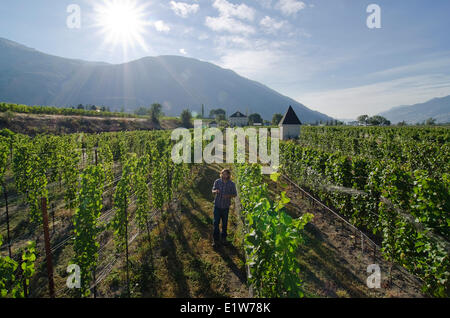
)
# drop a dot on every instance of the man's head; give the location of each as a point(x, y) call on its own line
point(225, 174)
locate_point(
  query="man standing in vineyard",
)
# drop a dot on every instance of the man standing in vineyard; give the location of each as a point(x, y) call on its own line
point(225, 190)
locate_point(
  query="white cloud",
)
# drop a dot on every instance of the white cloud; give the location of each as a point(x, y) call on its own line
point(271, 25)
point(240, 11)
point(161, 26)
point(183, 51)
point(249, 62)
point(229, 18)
point(257, 64)
point(228, 24)
point(290, 7)
point(183, 9)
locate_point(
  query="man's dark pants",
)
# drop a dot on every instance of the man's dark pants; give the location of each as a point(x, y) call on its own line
point(220, 214)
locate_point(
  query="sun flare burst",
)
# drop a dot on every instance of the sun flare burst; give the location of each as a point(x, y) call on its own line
point(122, 22)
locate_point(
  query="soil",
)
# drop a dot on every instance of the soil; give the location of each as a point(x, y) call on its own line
point(185, 264)
point(335, 261)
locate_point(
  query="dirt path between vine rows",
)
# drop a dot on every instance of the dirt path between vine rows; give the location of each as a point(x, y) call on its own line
point(185, 263)
point(332, 259)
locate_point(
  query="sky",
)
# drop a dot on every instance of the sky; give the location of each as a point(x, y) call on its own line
point(319, 52)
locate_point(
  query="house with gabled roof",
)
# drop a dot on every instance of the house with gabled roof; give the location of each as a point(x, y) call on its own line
point(290, 125)
point(238, 120)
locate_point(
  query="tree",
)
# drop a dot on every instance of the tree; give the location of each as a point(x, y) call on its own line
point(80, 106)
point(363, 119)
point(402, 123)
point(430, 122)
point(203, 111)
point(276, 119)
point(221, 117)
point(378, 121)
point(155, 112)
point(214, 113)
point(255, 118)
point(186, 118)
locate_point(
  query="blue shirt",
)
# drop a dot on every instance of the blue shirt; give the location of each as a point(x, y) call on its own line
point(228, 188)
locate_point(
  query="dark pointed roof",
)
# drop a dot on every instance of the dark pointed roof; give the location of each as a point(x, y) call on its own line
point(238, 115)
point(290, 118)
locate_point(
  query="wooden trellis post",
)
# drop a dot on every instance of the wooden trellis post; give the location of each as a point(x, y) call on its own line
point(48, 252)
point(362, 243)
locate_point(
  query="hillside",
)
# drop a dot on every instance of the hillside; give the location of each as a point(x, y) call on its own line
point(31, 124)
point(34, 78)
point(437, 108)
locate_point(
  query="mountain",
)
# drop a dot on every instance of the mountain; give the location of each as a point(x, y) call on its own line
point(30, 77)
point(437, 108)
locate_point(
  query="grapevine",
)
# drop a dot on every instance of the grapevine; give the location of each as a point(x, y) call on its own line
point(86, 225)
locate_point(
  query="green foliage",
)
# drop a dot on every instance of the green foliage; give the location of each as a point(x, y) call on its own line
point(86, 225)
point(431, 199)
point(217, 114)
point(255, 118)
point(106, 159)
point(142, 189)
point(4, 154)
point(29, 166)
point(122, 200)
point(186, 118)
point(9, 287)
point(159, 184)
point(276, 119)
point(28, 259)
point(155, 113)
point(391, 181)
point(11, 283)
point(41, 163)
point(272, 238)
point(69, 166)
point(24, 109)
point(374, 121)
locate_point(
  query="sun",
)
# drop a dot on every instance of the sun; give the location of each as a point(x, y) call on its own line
point(122, 22)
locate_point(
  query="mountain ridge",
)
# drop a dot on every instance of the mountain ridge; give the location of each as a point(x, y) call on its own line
point(437, 108)
point(28, 76)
